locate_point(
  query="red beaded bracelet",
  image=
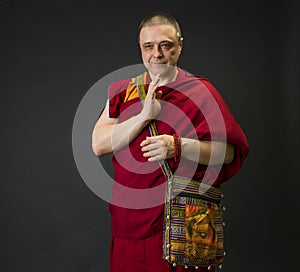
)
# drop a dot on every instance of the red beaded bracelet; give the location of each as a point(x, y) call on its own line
point(177, 147)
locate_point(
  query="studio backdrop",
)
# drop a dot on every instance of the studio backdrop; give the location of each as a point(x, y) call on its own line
point(54, 52)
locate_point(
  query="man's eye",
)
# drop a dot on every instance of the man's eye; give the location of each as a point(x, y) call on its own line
point(166, 45)
point(148, 46)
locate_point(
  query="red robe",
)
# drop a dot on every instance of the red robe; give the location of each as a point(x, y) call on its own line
point(191, 107)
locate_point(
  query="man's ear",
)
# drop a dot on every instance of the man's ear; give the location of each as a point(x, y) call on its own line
point(181, 44)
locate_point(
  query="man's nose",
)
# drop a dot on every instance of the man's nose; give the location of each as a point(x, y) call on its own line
point(157, 51)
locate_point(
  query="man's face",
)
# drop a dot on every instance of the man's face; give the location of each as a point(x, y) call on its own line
point(160, 48)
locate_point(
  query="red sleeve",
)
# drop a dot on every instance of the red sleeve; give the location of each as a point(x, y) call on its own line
point(233, 134)
point(116, 96)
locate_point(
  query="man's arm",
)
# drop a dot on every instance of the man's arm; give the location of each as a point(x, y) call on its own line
point(204, 152)
point(108, 134)
point(207, 152)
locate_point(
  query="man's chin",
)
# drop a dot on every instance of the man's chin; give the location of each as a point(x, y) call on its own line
point(158, 68)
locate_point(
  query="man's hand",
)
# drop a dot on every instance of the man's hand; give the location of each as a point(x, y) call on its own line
point(158, 148)
point(152, 105)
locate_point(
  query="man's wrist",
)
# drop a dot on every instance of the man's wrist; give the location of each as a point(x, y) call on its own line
point(143, 118)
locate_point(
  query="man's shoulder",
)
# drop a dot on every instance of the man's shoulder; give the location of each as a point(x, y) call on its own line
point(119, 87)
point(189, 75)
point(199, 81)
point(121, 84)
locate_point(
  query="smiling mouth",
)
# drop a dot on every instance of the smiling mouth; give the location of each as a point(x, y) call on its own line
point(157, 63)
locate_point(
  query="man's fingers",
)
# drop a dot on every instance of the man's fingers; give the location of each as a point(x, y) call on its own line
point(156, 158)
point(154, 155)
point(149, 147)
point(150, 140)
point(145, 142)
point(153, 85)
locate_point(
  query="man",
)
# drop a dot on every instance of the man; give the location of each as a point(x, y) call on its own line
point(198, 136)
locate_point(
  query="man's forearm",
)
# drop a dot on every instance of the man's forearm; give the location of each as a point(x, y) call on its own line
point(112, 137)
point(206, 152)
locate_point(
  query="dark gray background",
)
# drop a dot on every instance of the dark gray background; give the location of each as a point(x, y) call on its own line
point(52, 52)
